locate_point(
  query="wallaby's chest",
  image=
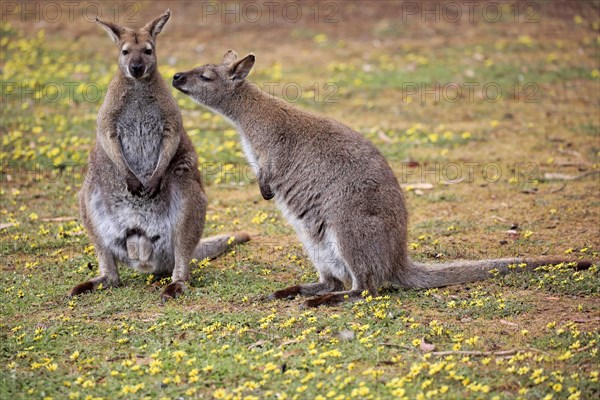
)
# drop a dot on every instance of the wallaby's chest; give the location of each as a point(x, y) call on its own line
point(140, 129)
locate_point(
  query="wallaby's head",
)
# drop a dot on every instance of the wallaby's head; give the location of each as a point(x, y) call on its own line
point(212, 83)
point(137, 49)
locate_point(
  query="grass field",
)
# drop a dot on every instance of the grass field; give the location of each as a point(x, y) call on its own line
point(513, 162)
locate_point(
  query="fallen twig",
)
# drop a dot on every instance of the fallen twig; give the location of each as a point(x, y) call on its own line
point(585, 321)
point(485, 353)
point(476, 353)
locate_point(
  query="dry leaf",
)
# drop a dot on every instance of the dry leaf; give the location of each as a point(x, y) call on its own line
point(6, 225)
point(260, 343)
point(426, 347)
point(346, 335)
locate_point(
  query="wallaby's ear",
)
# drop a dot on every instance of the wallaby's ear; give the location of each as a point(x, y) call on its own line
point(229, 57)
point(156, 26)
point(240, 69)
point(113, 30)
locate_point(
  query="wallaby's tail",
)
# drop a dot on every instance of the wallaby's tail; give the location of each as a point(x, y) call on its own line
point(420, 275)
point(214, 246)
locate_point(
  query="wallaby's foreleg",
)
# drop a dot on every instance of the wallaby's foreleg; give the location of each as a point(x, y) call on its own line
point(170, 142)
point(263, 184)
point(109, 274)
point(327, 285)
point(109, 141)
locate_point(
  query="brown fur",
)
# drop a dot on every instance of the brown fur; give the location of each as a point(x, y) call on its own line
point(142, 201)
point(333, 186)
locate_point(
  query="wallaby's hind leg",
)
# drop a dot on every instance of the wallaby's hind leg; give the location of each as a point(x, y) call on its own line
point(328, 284)
point(187, 232)
point(357, 265)
point(325, 258)
point(109, 274)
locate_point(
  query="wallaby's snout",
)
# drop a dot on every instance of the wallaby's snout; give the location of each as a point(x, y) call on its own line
point(179, 80)
point(137, 57)
point(136, 69)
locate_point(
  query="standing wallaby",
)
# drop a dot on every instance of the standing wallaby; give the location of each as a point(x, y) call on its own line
point(333, 186)
point(142, 201)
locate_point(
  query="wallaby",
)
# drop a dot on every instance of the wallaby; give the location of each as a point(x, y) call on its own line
point(333, 186)
point(142, 201)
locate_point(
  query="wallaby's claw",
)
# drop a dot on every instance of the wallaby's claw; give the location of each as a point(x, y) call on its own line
point(266, 192)
point(153, 187)
point(134, 185)
point(172, 291)
point(84, 287)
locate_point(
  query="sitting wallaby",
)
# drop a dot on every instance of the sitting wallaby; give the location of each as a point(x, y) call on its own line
point(332, 185)
point(142, 201)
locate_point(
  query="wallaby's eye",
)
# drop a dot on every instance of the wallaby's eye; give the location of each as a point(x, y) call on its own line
point(125, 52)
point(148, 52)
point(205, 78)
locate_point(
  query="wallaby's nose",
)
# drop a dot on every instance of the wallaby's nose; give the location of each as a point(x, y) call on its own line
point(136, 69)
point(179, 79)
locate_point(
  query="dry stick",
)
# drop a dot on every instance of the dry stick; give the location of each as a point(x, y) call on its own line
point(475, 353)
point(584, 348)
point(485, 353)
point(584, 321)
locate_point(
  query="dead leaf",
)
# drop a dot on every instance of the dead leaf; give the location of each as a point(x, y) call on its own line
point(6, 225)
point(557, 176)
point(565, 177)
point(292, 353)
point(259, 343)
point(346, 335)
point(384, 138)
point(513, 234)
point(426, 347)
point(505, 322)
point(142, 360)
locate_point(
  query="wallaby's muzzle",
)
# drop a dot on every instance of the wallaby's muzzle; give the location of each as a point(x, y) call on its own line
point(179, 79)
point(137, 70)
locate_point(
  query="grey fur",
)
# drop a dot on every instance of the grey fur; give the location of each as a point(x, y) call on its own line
point(142, 201)
point(333, 186)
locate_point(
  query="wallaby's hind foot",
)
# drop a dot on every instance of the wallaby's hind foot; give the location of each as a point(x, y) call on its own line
point(308, 289)
point(333, 299)
point(91, 285)
point(172, 291)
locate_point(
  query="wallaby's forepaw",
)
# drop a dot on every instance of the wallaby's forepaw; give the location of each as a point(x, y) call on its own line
point(153, 187)
point(287, 293)
point(84, 287)
point(266, 192)
point(172, 291)
point(134, 185)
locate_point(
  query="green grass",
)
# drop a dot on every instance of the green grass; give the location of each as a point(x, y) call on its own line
point(523, 336)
